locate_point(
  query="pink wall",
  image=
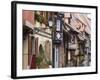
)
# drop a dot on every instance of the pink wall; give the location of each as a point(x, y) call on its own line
point(29, 16)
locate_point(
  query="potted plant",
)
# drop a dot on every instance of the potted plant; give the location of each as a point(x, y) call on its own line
point(49, 63)
point(38, 61)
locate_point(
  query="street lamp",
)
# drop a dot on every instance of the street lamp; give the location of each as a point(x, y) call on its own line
point(50, 25)
point(57, 36)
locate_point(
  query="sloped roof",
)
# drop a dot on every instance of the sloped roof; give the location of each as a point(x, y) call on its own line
point(71, 27)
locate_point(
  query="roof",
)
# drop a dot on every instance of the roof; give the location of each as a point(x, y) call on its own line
point(71, 27)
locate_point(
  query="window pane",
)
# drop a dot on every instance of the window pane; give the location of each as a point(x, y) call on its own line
point(58, 25)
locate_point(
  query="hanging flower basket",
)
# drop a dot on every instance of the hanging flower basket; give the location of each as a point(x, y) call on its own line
point(39, 18)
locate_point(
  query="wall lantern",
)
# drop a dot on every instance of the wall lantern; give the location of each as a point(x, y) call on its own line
point(50, 22)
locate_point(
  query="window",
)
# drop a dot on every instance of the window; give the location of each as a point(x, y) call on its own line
point(58, 23)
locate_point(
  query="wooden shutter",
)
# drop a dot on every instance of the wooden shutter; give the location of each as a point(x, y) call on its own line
point(36, 46)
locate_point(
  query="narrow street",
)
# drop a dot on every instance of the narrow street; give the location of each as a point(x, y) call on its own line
point(56, 39)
